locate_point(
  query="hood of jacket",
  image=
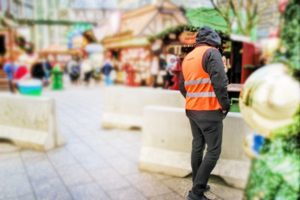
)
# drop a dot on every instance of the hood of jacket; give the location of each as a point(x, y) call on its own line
point(207, 35)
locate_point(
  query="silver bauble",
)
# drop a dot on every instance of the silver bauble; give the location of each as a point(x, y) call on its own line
point(269, 99)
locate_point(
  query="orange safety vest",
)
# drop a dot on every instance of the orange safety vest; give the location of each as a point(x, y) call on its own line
point(200, 92)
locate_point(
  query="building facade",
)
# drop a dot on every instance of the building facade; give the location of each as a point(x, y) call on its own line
point(19, 10)
point(49, 29)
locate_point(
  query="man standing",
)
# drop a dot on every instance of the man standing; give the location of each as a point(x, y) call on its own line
point(204, 85)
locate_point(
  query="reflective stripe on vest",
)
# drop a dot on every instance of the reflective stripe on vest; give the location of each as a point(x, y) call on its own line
point(200, 93)
point(195, 82)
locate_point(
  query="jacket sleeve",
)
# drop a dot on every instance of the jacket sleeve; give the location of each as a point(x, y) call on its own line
point(181, 85)
point(214, 66)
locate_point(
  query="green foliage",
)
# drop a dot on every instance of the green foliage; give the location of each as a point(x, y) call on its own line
point(277, 170)
point(164, 35)
point(176, 30)
point(207, 17)
point(276, 173)
point(197, 18)
point(290, 37)
point(262, 184)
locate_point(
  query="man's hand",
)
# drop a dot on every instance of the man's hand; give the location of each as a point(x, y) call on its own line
point(225, 112)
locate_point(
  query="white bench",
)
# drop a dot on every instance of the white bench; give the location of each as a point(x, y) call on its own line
point(123, 106)
point(29, 122)
point(167, 143)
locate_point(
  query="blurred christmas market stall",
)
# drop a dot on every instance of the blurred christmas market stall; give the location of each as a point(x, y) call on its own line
point(130, 46)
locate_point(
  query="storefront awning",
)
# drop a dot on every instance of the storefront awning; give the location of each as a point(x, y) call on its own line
point(134, 42)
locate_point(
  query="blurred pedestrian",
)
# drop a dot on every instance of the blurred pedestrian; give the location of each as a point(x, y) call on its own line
point(120, 74)
point(97, 62)
point(47, 68)
point(162, 70)
point(97, 73)
point(21, 73)
point(154, 70)
point(9, 68)
point(144, 68)
point(130, 74)
point(204, 85)
point(41, 70)
point(87, 70)
point(106, 70)
point(73, 67)
point(171, 65)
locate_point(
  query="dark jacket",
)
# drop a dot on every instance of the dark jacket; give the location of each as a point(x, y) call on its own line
point(107, 68)
point(213, 65)
point(37, 71)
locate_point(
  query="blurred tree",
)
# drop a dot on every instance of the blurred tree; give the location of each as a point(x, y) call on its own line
point(241, 16)
point(206, 17)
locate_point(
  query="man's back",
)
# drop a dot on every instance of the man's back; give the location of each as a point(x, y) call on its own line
point(204, 85)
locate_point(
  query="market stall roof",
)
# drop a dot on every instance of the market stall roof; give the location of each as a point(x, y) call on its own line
point(52, 22)
point(206, 17)
point(124, 40)
point(55, 47)
point(132, 42)
point(58, 50)
point(152, 19)
point(139, 24)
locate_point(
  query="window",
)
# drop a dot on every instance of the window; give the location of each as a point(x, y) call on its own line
point(3, 4)
point(28, 13)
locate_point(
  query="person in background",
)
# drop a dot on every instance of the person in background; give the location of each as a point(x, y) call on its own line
point(154, 70)
point(171, 65)
point(162, 70)
point(37, 70)
point(97, 73)
point(114, 72)
point(47, 68)
point(73, 67)
point(96, 62)
point(120, 79)
point(106, 70)
point(30, 56)
point(21, 73)
point(143, 72)
point(204, 86)
point(9, 68)
point(130, 73)
point(87, 70)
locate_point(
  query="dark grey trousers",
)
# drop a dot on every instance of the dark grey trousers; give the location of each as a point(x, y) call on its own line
point(209, 133)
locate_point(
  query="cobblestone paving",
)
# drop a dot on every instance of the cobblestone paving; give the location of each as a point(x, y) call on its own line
point(94, 164)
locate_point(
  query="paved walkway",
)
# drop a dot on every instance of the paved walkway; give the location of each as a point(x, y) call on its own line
point(94, 164)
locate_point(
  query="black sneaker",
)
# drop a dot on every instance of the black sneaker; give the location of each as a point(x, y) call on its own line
point(195, 197)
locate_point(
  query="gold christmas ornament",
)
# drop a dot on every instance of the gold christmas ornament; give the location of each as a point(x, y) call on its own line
point(269, 99)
